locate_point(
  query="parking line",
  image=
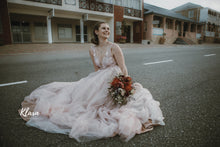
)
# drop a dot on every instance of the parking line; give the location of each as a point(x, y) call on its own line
point(13, 83)
point(158, 62)
point(209, 55)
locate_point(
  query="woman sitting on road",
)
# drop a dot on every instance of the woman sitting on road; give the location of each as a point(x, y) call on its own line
point(84, 109)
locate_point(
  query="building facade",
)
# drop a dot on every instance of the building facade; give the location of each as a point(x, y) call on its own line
point(209, 17)
point(165, 25)
point(54, 21)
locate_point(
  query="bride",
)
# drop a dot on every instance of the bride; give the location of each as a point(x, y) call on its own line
point(83, 109)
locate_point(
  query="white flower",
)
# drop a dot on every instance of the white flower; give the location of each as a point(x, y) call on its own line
point(122, 91)
point(132, 91)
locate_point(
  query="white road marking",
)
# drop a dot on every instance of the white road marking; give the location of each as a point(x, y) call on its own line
point(158, 62)
point(209, 55)
point(13, 83)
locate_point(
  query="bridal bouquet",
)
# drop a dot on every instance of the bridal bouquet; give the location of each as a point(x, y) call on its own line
point(121, 88)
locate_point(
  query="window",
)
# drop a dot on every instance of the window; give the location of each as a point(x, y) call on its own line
point(137, 4)
point(169, 24)
point(16, 31)
point(21, 31)
point(118, 2)
point(157, 22)
point(193, 28)
point(199, 29)
point(26, 31)
point(78, 34)
point(178, 26)
point(125, 3)
point(191, 14)
point(212, 13)
point(40, 31)
point(70, 2)
point(211, 27)
point(65, 31)
point(145, 26)
point(128, 3)
point(118, 27)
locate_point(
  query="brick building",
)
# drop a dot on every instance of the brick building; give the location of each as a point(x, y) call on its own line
point(209, 17)
point(5, 29)
point(51, 21)
point(160, 23)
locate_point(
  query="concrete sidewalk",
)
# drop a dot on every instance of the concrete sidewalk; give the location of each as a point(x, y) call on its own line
point(32, 48)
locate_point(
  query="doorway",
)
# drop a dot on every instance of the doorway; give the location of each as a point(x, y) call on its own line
point(185, 28)
point(128, 34)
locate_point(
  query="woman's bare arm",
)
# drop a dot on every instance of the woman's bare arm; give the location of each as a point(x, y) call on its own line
point(119, 58)
point(93, 61)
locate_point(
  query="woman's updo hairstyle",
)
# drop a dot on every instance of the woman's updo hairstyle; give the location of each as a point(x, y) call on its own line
point(95, 40)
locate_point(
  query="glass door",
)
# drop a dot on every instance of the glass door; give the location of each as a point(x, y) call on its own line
point(16, 32)
point(26, 33)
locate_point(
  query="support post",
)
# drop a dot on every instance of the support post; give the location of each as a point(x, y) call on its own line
point(82, 30)
point(49, 31)
point(182, 29)
point(51, 13)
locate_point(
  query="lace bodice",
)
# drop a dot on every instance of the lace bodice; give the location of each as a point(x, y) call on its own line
point(107, 60)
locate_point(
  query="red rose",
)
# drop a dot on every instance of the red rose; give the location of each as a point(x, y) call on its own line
point(127, 83)
point(128, 88)
point(128, 79)
point(115, 81)
point(120, 85)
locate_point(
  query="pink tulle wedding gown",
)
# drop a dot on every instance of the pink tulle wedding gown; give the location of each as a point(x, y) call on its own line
point(84, 110)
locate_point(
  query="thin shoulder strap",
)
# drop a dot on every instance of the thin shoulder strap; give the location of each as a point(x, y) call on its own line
point(109, 49)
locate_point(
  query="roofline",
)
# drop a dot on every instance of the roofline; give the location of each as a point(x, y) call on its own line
point(199, 6)
point(187, 9)
point(211, 9)
point(188, 3)
point(192, 21)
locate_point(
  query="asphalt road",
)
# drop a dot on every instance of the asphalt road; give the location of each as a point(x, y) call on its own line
point(185, 79)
